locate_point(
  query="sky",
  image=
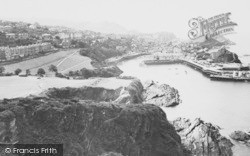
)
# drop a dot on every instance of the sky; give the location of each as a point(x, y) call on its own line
point(142, 15)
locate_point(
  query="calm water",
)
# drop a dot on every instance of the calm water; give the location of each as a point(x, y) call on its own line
point(226, 104)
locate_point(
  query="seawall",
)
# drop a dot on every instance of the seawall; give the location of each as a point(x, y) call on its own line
point(196, 66)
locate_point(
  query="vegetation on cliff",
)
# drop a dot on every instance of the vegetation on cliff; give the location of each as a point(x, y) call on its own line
point(89, 128)
point(111, 71)
point(100, 51)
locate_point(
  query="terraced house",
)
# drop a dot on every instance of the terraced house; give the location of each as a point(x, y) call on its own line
point(10, 53)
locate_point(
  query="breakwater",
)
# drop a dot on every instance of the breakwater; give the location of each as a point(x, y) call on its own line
point(115, 60)
point(205, 70)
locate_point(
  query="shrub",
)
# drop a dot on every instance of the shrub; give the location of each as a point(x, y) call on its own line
point(28, 72)
point(2, 69)
point(18, 71)
point(53, 68)
point(40, 71)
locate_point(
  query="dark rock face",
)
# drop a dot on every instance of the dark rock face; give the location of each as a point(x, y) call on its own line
point(132, 93)
point(221, 56)
point(200, 138)
point(89, 128)
point(135, 92)
point(84, 93)
point(225, 56)
point(240, 136)
point(123, 95)
point(160, 95)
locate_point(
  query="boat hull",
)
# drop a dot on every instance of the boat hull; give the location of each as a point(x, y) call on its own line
point(224, 78)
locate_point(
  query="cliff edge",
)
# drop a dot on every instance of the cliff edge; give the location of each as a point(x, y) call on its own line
point(88, 128)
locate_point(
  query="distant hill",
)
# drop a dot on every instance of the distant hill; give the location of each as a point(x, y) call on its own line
point(216, 42)
point(102, 27)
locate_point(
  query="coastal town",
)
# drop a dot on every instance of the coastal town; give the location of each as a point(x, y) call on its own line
point(34, 40)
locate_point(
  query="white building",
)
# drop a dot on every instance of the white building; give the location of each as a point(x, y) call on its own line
point(10, 53)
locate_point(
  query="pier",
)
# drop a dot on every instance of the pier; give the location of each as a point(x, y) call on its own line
point(205, 70)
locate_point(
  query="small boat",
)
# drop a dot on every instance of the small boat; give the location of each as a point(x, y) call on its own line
point(229, 78)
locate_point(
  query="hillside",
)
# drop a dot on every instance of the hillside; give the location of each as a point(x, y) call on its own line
point(88, 128)
point(64, 60)
point(104, 27)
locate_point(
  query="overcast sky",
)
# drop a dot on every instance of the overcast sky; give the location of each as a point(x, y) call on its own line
point(142, 15)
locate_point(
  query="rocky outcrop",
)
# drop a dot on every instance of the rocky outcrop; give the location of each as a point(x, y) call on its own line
point(132, 93)
point(241, 137)
point(84, 93)
point(135, 92)
point(201, 138)
point(225, 56)
point(88, 128)
point(221, 56)
point(160, 94)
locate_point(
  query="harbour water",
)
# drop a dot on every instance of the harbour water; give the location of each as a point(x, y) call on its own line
point(226, 104)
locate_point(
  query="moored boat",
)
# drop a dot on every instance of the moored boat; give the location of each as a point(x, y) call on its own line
point(229, 78)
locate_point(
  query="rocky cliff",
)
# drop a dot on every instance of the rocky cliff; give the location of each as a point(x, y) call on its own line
point(241, 136)
point(201, 138)
point(225, 56)
point(84, 93)
point(135, 92)
point(221, 56)
point(160, 94)
point(88, 128)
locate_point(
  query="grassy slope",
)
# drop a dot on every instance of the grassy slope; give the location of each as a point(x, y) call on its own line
point(69, 59)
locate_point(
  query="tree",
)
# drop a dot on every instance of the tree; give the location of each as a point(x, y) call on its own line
point(86, 73)
point(18, 71)
point(2, 69)
point(40, 71)
point(71, 73)
point(53, 68)
point(28, 72)
point(58, 38)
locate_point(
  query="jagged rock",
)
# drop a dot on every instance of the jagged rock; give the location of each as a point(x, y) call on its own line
point(221, 56)
point(132, 93)
point(123, 95)
point(135, 92)
point(181, 124)
point(160, 95)
point(84, 93)
point(201, 138)
point(225, 56)
point(88, 128)
point(240, 136)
